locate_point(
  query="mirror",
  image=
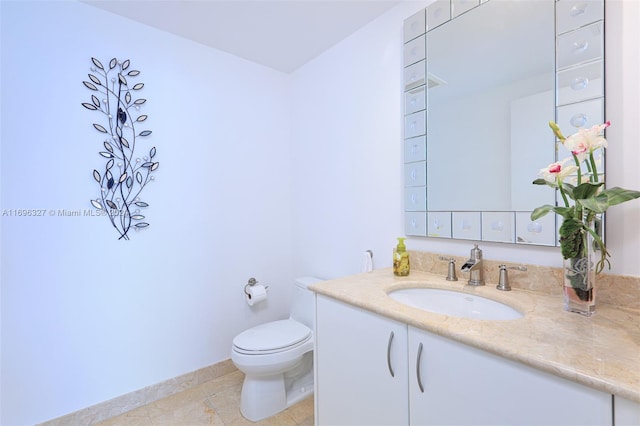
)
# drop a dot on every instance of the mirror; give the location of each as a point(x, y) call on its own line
point(489, 99)
point(481, 81)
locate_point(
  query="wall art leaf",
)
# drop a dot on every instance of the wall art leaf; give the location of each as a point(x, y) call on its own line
point(113, 101)
point(122, 116)
point(97, 63)
point(95, 79)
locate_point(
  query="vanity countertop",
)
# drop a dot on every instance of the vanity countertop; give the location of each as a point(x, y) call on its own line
point(601, 351)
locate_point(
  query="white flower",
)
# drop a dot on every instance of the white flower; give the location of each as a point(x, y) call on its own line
point(586, 141)
point(556, 172)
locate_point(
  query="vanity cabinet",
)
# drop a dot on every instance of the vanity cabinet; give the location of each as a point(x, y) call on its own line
point(371, 370)
point(452, 383)
point(626, 412)
point(361, 367)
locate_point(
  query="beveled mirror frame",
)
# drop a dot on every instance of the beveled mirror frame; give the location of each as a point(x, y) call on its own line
point(578, 24)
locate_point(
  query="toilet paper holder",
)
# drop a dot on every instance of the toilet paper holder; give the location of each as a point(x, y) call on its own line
point(252, 281)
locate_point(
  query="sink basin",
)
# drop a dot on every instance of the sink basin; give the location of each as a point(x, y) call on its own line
point(454, 303)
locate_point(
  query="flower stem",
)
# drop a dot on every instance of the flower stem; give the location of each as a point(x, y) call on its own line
point(594, 170)
point(575, 159)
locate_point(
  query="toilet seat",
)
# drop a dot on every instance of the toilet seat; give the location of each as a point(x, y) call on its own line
point(272, 337)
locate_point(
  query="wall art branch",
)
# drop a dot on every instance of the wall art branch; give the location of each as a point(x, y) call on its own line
point(125, 175)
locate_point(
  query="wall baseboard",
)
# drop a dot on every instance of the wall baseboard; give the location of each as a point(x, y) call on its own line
point(124, 403)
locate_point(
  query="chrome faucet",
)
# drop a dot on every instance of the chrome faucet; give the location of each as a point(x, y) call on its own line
point(503, 280)
point(474, 267)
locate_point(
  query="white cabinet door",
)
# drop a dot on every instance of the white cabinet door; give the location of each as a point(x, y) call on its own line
point(361, 367)
point(462, 385)
point(626, 412)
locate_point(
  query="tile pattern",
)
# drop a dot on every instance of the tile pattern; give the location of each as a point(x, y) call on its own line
point(216, 402)
point(130, 401)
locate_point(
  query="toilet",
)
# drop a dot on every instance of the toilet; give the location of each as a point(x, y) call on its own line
point(277, 358)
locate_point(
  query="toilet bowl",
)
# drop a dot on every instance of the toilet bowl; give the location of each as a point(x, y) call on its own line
point(277, 358)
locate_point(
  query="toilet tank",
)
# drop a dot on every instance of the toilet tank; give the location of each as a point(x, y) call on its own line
point(303, 306)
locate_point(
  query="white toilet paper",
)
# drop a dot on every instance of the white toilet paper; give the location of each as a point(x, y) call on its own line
point(367, 262)
point(255, 294)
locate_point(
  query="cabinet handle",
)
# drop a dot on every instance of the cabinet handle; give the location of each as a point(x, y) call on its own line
point(389, 355)
point(418, 368)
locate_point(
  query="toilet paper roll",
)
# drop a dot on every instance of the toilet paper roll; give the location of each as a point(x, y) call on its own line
point(255, 294)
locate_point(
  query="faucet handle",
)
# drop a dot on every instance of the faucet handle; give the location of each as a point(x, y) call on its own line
point(503, 280)
point(451, 272)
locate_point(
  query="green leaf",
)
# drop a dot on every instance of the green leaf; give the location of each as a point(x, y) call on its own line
point(565, 212)
point(609, 197)
point(541, 211)
point(597, 204)
point(568, 189)
point(586, 190)
point(618, 195)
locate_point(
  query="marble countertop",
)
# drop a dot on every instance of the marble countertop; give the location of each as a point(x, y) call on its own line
point(601, 351)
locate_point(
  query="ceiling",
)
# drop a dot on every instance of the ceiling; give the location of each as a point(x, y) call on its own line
point(280, 34)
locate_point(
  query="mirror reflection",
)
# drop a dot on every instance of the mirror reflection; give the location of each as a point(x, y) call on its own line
point(490, 96)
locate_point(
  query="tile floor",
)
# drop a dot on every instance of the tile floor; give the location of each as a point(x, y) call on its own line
point(216, 402)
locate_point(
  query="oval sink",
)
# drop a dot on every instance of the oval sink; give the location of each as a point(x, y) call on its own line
point(454, 303)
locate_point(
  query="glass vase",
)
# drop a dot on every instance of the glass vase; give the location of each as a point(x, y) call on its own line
point(579, 287)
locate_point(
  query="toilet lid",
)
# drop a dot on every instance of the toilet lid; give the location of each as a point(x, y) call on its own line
point(272, 336)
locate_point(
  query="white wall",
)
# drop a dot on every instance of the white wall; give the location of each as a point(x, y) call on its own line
point(86, 317)
point(347, 160)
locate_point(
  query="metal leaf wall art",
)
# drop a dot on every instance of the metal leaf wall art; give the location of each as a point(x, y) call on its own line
point(125, 175)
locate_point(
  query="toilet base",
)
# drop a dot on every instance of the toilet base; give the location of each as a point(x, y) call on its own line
point(265, 396)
